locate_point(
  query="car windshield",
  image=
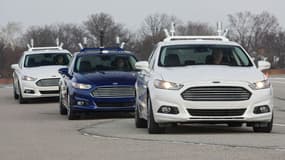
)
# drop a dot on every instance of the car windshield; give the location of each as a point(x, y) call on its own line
point(172, 56)
point(93, 63)
point(47, 59)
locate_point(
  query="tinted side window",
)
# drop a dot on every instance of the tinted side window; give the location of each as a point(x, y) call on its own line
point(151, 59)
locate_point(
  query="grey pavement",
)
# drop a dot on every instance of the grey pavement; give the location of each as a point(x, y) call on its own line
point(36, 131)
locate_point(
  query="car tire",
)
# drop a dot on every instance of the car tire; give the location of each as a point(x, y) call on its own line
point(153, 127)
point(62, 109)
point(20, 98)
point(139, 122)
point(71, 113)
point(16, 96)
point(266, 129)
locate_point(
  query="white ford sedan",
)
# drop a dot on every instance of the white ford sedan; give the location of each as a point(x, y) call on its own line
point(36, 75)
point(202, 80)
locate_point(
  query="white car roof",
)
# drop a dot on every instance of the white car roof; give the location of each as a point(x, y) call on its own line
point(198, 42)
point(43, 50)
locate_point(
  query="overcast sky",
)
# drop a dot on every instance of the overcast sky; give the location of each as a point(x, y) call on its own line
point(131, 12)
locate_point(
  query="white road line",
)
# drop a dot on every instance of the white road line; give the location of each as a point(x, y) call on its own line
point(280, 82)
point(277, 78)
point(277, 124)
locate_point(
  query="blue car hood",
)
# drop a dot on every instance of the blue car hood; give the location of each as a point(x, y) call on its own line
point(107, 78)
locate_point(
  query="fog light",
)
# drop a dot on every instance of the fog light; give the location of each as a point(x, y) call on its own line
point(29, 91)
point(261, 109)
point(168, 110)
point(81, 103)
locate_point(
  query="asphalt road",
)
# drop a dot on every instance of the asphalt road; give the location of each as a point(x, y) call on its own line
point(36, 131)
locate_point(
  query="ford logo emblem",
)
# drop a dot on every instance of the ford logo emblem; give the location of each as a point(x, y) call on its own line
point(115, 83)
point(216, 82)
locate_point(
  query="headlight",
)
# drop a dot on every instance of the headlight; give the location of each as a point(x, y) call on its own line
point(28, 78)
point(167, 85)
point(81, 85)
point(260, 85)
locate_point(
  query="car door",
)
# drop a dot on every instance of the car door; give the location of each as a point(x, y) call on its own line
point(17, 75)
point(66, 81)
point(142, 85)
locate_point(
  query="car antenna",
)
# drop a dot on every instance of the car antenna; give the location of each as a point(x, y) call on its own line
point(219, 28)
point(172, 29)
point(32, 43)
point(85, 40)
point(80, 46)
point(166, 32)
point(101, 38)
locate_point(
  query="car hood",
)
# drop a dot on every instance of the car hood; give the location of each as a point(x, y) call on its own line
point(42, 72)
point(107, 78)
point(211, 73)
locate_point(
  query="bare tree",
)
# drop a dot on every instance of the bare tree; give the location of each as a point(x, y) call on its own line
point(71, 35)
point(43, 35)
point(250, 29)
point(105, 23)
point(154, 24)
point(10, 33)
point(195, 28)
point(8, 41)
point(152, 32)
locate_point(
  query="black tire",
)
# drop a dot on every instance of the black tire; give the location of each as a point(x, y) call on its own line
point(71, 113)
point(139, 122)
point(264, 129)
point(62, 109)
point(153, 127)
point(16, 96)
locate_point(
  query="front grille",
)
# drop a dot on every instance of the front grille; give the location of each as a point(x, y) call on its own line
point(50, 92)
point(47, 82)
point(114, 92)
point(115, 104)
point(218, 93)
point(216, 112)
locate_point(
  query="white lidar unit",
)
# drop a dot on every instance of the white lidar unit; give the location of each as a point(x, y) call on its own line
point(221, 35)
point(32, 48)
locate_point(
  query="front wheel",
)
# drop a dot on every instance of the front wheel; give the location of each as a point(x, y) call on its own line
point(139, 122)
point(16, 96)
point(266, 128)
point(71, 113)
point(153, 127)
point(62, 109)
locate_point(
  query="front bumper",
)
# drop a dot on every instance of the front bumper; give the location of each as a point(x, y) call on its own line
point(100, 104)
point(173, 98)
point(30, 90)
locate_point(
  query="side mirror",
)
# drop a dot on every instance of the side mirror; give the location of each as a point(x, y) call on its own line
point(142, 65)
point(63, 71)
point(14, 66)
point(263, 65)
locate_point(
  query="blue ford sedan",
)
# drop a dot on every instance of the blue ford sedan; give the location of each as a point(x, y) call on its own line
point(98, 79)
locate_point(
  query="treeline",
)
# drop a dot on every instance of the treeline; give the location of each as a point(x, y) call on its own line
point(260, 34)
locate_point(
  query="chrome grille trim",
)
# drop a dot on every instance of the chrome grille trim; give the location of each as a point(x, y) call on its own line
point(48, 82)
point(114, 92)
point(216, 93)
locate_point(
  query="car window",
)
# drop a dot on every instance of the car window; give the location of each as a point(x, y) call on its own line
point(20, 63)
point(171, 56)
point(46, 59)
point(93, 63)
point(152, 58)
